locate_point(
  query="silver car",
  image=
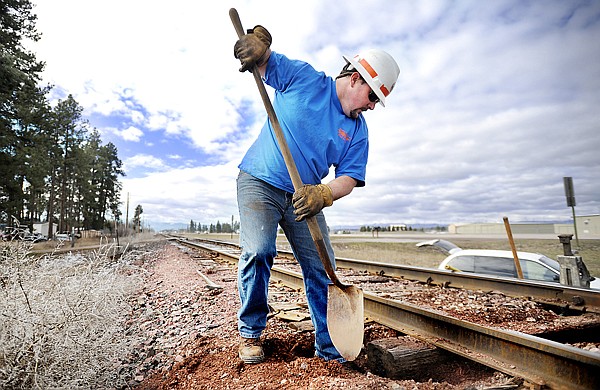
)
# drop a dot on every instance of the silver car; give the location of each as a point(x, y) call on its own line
point(499, 263)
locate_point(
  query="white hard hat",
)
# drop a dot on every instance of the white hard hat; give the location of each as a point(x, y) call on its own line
point(379, 69)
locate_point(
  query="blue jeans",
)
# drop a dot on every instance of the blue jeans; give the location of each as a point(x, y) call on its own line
point(262, 209)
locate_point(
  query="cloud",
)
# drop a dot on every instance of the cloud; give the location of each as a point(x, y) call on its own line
point(179, 195)
point(131, 134)
point(146, 161)
point(495, 104)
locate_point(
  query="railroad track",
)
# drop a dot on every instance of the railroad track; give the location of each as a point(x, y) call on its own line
point(563, 298)
point(541, 362)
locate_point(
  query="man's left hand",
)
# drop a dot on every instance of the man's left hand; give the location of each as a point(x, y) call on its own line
point(253, 48)
point(309, 200)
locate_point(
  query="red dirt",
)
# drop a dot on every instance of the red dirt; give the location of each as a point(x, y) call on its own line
point(192, 338)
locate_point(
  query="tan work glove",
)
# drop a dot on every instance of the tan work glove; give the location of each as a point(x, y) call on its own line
point(310, 199)
point(253, 48)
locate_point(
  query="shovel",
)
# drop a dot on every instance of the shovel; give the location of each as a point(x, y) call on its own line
point(345, 307)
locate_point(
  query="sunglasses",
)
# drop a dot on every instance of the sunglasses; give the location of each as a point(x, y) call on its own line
point(373, 97)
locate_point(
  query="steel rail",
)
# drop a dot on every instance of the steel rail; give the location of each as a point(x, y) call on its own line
point(538, 361)
point(576, 298)
point(573, 298)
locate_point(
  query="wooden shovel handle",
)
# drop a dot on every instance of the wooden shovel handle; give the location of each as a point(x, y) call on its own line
point(313, 225)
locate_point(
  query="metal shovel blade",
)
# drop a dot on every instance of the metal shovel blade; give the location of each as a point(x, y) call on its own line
point(345, 320)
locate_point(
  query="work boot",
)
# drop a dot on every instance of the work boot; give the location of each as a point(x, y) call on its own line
point(251, 351)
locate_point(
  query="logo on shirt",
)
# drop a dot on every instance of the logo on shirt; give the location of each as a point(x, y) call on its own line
point(342, 134)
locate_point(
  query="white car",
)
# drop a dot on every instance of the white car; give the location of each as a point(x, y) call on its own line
point(499, 263)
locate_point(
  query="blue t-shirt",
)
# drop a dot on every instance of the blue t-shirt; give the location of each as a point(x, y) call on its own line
point(318, 133)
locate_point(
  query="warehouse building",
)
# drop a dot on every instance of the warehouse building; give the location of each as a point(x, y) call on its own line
point(588, 225)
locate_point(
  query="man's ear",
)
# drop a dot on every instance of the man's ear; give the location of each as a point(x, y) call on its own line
point(354, 78)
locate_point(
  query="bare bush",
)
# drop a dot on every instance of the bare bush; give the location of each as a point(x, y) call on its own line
point(63, 318)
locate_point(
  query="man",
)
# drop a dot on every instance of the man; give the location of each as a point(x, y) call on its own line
point(322, 121)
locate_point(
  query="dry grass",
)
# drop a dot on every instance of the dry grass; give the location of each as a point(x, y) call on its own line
point(62, 318)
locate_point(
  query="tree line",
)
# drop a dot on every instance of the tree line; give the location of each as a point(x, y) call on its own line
point(53, 165)
point(196, 227)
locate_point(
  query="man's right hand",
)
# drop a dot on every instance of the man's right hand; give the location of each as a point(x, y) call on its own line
point(309, 200)
point(253, 48)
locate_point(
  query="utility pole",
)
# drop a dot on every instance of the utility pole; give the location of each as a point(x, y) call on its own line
point(117, 229)
point(127, 214)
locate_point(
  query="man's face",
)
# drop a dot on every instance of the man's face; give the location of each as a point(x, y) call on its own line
point(363, 98)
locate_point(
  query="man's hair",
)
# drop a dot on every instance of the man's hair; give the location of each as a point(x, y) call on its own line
point(347, 70)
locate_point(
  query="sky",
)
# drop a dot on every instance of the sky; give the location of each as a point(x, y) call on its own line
point(496, 101)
